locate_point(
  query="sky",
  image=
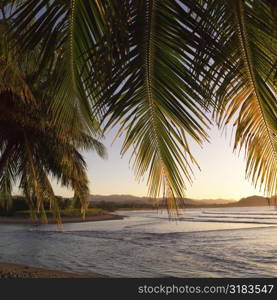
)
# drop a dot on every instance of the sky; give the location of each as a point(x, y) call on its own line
point(222, 172)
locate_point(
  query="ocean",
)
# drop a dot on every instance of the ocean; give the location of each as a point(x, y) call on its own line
point(213, 242)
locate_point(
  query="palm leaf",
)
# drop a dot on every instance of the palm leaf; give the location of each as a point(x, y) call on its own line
point(247, 92)
point(156, 99)
point(153, 67)
point(65, 32)
point(134, 60)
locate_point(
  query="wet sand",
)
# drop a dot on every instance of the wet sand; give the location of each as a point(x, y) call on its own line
point(8, 270)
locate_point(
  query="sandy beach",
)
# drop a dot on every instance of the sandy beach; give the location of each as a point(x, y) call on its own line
point(8, 270)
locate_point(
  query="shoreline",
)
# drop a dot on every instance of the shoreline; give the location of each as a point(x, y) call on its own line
point(13, 271)
point(93, 218)
point(10, 270)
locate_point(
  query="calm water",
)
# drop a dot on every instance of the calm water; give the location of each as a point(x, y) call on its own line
point(230, 242)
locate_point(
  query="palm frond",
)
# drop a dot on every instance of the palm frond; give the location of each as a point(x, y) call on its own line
point(65, 32)
point(247, 92)
point(156, 98)
point(153, 68)
point(133, 60)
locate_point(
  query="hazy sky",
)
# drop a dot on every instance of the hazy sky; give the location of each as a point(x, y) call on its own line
point(221, 176)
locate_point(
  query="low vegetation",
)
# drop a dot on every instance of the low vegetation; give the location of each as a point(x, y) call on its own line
point(68, 208)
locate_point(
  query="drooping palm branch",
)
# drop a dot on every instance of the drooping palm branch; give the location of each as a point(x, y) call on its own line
point(153, 67)
point(246, 94)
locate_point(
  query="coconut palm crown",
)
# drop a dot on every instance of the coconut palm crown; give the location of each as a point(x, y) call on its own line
point(33, 147)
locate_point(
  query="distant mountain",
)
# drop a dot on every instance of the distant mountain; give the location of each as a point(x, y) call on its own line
point(133, 199)
point(257, 201)
point(119, 198)
point(146, 200)
point(217, 201)
point(128, 199)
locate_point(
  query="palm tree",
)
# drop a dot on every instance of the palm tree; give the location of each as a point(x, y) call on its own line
point(157, 69)
point(33, 146)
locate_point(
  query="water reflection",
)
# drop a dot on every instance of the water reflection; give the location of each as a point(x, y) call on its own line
point(204, 243)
